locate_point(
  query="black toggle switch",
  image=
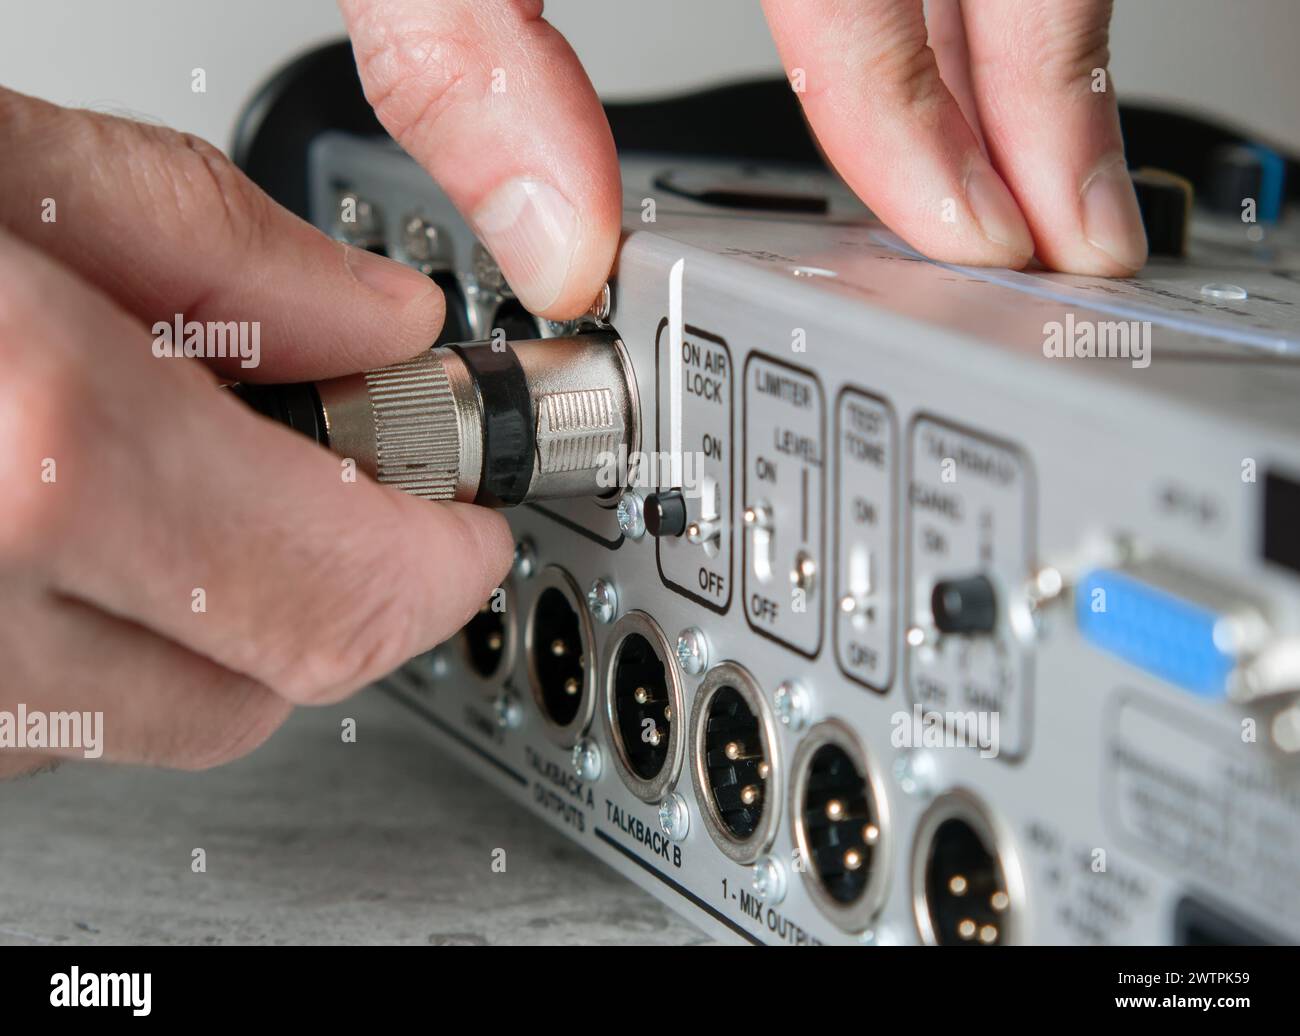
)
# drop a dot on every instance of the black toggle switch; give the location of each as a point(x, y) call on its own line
point(967, 605)
point(665, 513)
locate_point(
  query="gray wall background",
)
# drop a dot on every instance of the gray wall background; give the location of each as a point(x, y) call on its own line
point(1235, 58)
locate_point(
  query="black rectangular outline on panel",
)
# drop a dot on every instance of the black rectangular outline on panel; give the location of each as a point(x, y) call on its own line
point(1031, 555)
point(581, 530)
point(892, 414)
point(677, 588)
point(744, 487)
point(1194, 726)
point(1275, 521)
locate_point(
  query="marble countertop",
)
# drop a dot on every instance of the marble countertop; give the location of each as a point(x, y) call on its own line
point(308, 840)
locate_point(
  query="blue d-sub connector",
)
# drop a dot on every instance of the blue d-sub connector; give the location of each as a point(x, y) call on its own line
point(1186, 642)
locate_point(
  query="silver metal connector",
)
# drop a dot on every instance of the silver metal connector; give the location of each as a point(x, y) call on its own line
point(489, 423)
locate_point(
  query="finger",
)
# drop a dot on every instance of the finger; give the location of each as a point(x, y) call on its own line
point(1051, 121)
point(943, 19)
point(493, 102)
point(892, 129)
point(137, 698)
point(175, 508)
point(167, 225)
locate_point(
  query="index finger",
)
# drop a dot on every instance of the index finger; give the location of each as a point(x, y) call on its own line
point(871, 88)
point(493, 102)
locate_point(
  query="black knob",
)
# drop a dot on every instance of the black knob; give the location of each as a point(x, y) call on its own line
point(1237, 172)
point(967, 605)
point(665, 513)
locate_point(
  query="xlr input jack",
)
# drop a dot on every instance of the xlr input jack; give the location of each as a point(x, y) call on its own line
point(841, 825)
point(736, 767)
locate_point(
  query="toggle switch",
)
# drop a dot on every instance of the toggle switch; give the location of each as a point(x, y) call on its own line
point(964, 605)
point(758, 520)
point(705, 532)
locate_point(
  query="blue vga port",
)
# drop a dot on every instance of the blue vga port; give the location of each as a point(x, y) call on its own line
point(1169, 630)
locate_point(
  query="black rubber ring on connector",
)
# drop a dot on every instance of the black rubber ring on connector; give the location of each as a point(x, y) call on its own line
point(509, 439)
point(297, 406)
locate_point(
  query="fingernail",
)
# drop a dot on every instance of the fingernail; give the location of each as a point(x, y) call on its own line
point(1112, 221)
point(997, 212)
point(387, 276)
point(532, 231)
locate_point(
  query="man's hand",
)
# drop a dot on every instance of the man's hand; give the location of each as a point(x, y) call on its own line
point(167, 557)
point(985, 138)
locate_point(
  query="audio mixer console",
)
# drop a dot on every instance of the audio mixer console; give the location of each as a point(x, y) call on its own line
point(925, 604)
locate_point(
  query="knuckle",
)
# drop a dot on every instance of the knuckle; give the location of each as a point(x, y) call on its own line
point(193, 181)
point(1070, 64)
point(215, 185)
point(902, 69)
point(415, 74)
point(1069, 46)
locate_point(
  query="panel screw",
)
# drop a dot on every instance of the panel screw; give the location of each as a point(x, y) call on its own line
point(692, 650)
point(768, 882)
point(884, 935)
point(366, 229)
point(603, 601)
point(507, 711)
point(600, 307)
point(434, 664)
point(1285, 729)
point(792, 705)
point(420, 242)
point(486, 271)
point(525, 558)
point(915, 773)
point(587, 763)
point(631, 515)
point(674, 817)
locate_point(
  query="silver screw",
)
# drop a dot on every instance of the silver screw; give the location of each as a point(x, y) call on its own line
point(692, 650)
point(507, 711)
point(600, 308)
point(603, 601)
point(884, 935)
point(487, 274)
point(792, 705)
point(366, 229)
point(587, 763)
point(674, 817)
point(435, 664)
point(631, 515)
point(420, 242)
point(768, 881)
point(525, 558)
point(1285, 729)
point(916, 773)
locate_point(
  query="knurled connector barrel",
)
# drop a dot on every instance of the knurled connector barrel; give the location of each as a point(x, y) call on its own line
point(491, 424)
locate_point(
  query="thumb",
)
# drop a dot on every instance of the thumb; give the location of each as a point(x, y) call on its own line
point(492, 101)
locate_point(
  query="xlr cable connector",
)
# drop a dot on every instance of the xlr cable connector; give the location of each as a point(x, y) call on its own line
point(492, 423)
